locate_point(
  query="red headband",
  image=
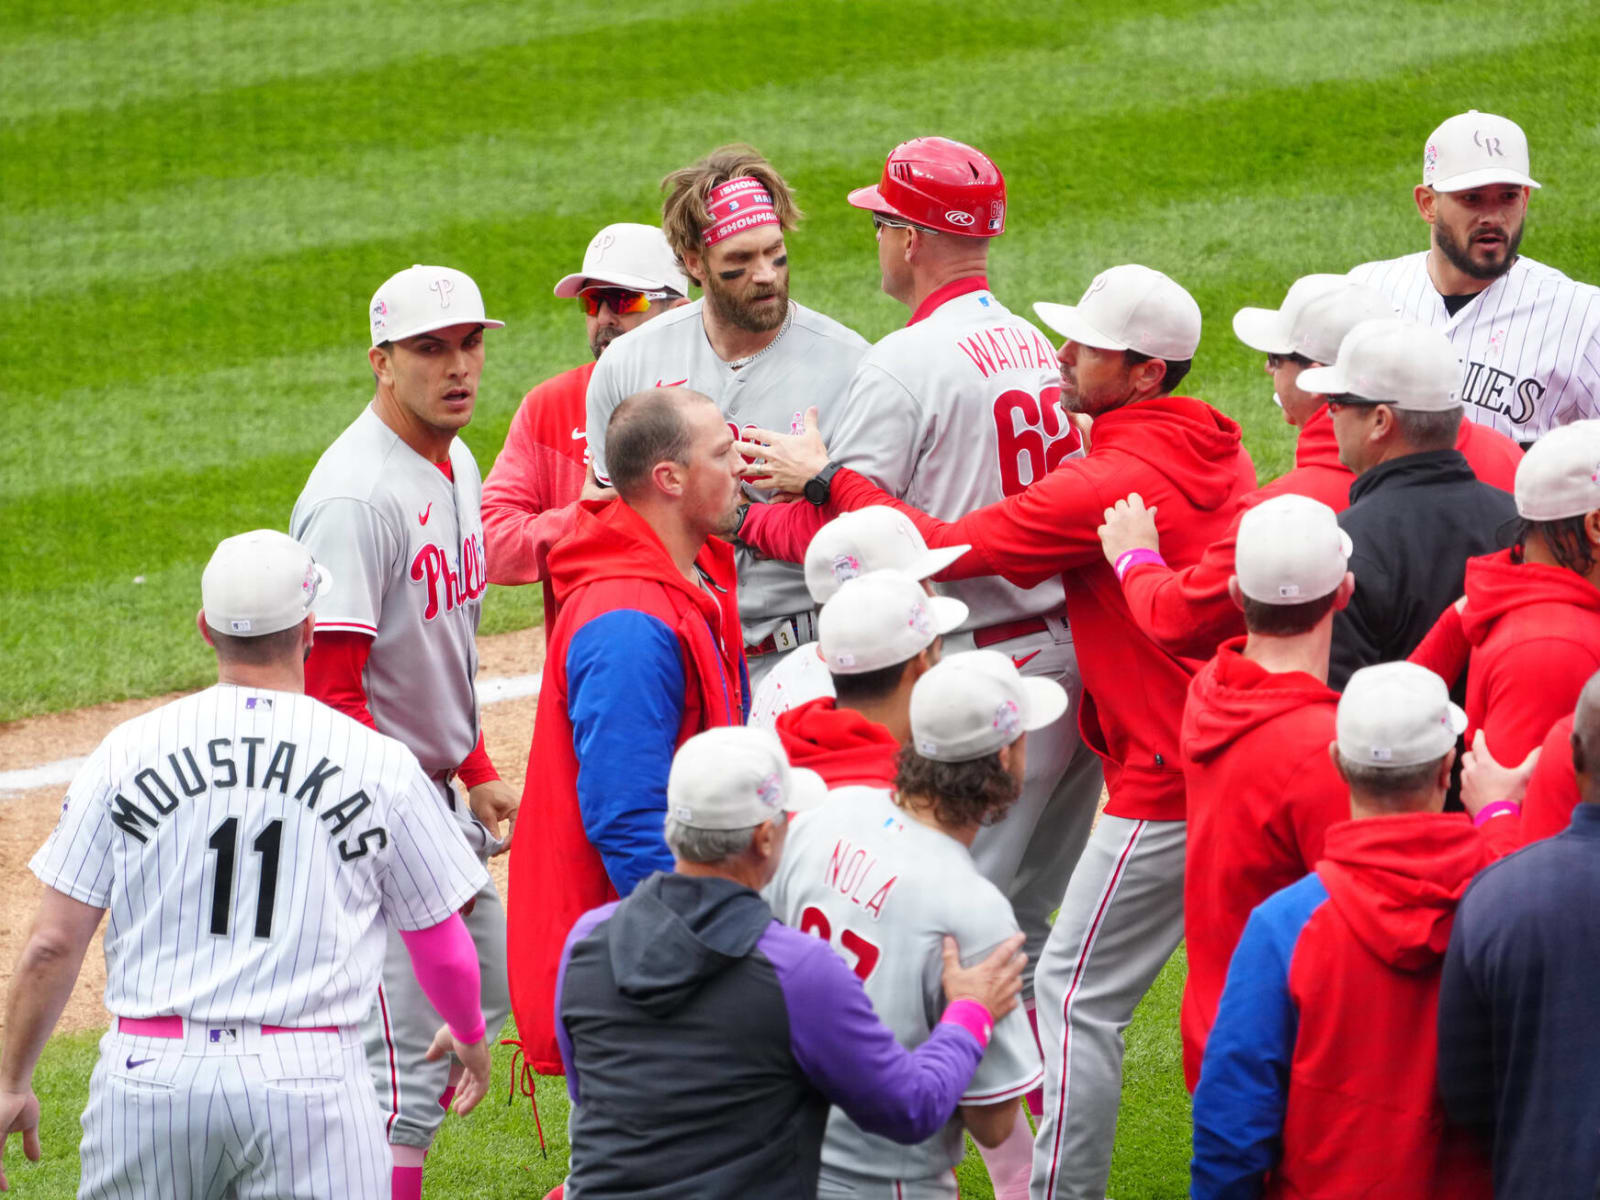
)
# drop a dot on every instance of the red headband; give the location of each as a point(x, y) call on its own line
point(738, 205)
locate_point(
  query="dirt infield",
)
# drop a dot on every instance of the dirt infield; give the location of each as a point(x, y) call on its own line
point(27, 818)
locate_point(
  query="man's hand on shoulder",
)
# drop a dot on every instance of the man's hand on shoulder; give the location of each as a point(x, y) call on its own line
point(493, 802)
point(784, 461)
point(1129, 525)
point(995, 983)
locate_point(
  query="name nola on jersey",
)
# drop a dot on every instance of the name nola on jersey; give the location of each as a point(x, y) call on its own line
point(159, 787)
point(854, 873)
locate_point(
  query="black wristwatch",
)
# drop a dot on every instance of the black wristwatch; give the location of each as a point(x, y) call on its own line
point(820, 484)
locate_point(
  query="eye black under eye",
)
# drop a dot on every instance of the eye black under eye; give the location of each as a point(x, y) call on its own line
point(781, 261)
point(730, 276)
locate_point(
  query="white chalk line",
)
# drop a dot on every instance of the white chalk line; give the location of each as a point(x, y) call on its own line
point(498, 690)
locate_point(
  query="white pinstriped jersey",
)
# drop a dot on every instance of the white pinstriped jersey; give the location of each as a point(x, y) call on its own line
point(883, 890)
point(810, 363)
point(405, 547)
point(251, 846)
point(1530, 341)
point(957, 411)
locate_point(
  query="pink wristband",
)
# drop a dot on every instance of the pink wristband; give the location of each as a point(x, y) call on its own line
point(971, 1016)
point(1500, 808)
point(1130, 559)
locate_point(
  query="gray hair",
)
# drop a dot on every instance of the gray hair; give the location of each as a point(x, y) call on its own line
point(706, 845)
point(1387, 783)
point(1429, 430)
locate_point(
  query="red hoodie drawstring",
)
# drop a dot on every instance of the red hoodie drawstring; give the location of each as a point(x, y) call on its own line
point(525, 1079)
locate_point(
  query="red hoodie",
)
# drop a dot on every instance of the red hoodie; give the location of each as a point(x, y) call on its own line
point(839, 744)
point(613, 561)
point(1535, 637)
point(1185, 458)
point(1189, 611)
point(1553, 790)
point(1262, 793)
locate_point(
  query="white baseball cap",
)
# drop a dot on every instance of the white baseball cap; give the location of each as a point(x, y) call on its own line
point(972, 703)
point(628, 255)
point(1473, 149)
point(421, 299)
point(1560, 475)
point(1391, 361)
point(260, 582)
point(880, 619)
point(874, 538)
point(1130, 308)
point(1316, 314)
point(1290, 550)
point(737, 777)
point(1396, 714)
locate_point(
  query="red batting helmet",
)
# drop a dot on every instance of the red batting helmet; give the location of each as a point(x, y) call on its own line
point(939, 184)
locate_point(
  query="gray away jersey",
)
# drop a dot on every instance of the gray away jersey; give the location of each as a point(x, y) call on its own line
point(1530, 341)
point(883, 890)
point(956, 411)
point(251, 847)
point(810, 364)
point(405, 547)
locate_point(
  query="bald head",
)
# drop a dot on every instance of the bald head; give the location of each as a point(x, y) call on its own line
point(647, 428)
point(1586, 740)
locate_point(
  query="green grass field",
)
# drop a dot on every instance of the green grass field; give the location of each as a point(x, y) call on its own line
point(197, 200)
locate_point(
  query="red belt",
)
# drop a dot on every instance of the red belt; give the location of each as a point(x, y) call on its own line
point(172, 1027)
point(1007, 630)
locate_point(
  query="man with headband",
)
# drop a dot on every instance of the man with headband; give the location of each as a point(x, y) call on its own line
point(763, 358)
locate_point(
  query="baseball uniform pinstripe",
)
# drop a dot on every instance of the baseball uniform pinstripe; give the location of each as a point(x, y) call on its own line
point(810, 362)
point(883, 889)
point(956, 411)
point(406, 546)
point(252, 847)
point(1530, 341)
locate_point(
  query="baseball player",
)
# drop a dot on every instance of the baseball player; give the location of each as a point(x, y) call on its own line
point(392, 508)
point(883, 875)
point(629, 276)
point(1529, 336)
point(252, 845)
point(762, 357)
point(869, 539)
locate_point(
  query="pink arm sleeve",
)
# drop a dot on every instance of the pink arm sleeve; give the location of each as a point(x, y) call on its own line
point(446, 965)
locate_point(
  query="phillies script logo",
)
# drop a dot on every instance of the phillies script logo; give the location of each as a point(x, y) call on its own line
point(446, 589)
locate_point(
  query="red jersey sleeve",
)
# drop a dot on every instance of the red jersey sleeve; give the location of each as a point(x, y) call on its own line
point(333, 673)
point(529, 502)
point(783, 531)
point(476, 767)
point(1188, 612)
point(1445, 649)
point(1530, 687)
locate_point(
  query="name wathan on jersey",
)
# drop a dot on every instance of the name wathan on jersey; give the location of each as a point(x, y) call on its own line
point(858, 876)
point(234, 763)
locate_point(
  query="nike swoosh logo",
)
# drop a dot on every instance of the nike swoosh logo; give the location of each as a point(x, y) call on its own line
point(130, 1064)
point(1020, 661)
point(677, 383)
point(426, 513)
point(579, 434)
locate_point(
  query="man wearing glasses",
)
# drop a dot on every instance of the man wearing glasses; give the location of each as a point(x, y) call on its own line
point(629, 276)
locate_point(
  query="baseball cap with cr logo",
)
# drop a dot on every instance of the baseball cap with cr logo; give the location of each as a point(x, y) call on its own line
point(1474, 149)
point(880, 619)
point(1130, 308)
point(973, 703)
point(628, 255)
point(736, 777)
point(421, 299)
point(260, 582)
point(874, 538)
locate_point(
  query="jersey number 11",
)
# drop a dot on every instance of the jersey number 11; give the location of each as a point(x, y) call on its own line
point(225, 841)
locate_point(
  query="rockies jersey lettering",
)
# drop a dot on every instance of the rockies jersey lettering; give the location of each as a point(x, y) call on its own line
point(883, 890)
point(252, 848)
point(405, 547)
point(810, 363)
point(1530, 341)
point(957, 411)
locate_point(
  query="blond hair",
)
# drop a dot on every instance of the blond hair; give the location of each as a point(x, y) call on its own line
point(685, 214)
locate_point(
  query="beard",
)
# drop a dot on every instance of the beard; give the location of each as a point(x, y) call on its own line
point(603, 338)
point(743, 312)
point(1460, 256)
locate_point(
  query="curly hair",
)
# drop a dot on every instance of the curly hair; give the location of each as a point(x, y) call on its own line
point(1566, 538)
point(684, 214)
point(961, 793)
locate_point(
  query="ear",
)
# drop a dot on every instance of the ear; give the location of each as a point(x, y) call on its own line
point(667, 477)
point(381, 366)
point(767, 838)
point(1347, 589)
point(1383, 423)
point(1146, 377)
point(1580, 765)
point(695, 264)
point(1591, 526)
point(1426, 200)
point(1235, 593)
point(1441, 779)
point(205, 630)
point(1333, 756)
